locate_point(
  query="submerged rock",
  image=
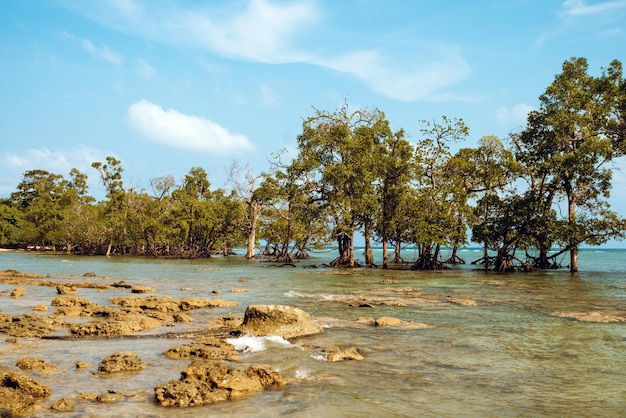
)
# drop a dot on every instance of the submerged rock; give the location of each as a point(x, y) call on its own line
point(125, 325)
point(594, 316)
point(205, 348)
point(168, 304)
point(462, 302)
point(387, 321)
point(18, 292)
point(64, 405)
point(121, 362)
point(183, 318)
point(109, 397)
point(205, 382)
point(156, 303)
point(142, 289)
point(28, 325)
point(196, 303)
point(30, 363)
point(65, 301)
point(122, 284)
point(67, 290)
point(82, 364)
point(283, 321)
point(341, 354)
point(19, 394)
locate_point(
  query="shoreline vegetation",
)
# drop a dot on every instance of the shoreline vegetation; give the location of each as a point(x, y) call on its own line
point(542, 187)
point(450, 258)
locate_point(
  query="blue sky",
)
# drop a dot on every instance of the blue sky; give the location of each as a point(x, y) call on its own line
point(168, 85)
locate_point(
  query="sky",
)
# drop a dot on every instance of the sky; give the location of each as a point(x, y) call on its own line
point(168, 85)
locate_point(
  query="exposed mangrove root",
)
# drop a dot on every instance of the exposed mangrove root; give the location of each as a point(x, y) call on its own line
point(454, 259)
point(429, 263)
point(505, 264)
point(341, 262)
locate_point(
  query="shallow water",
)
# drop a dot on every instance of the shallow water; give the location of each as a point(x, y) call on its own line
point(506, 356)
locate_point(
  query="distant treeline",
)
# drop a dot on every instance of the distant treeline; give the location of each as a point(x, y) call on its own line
point(542, 187)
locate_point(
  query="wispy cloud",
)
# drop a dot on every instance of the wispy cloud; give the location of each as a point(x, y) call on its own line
point(513, 116)
point(145, 70)
point(271, 32)
point(14, 165)
point(269, 96)
point(101, 52)
point(409, 81)
point(175, 129)
point(579, 8)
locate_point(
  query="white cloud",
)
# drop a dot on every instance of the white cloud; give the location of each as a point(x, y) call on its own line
point(577, 8)
point(173, 128)
point(262, 32)
point(516, 115)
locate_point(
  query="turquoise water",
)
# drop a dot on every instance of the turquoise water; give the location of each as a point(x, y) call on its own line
point(508, 355)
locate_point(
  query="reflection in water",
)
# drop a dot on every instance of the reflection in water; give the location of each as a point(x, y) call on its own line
point(506, 356)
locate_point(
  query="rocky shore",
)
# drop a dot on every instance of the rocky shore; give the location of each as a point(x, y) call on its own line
point(212, 374)
point(210, 369)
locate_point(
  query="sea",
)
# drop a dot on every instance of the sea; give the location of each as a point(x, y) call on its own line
point(509, 353)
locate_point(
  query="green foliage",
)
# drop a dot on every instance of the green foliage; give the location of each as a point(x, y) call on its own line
point(11, 221)
point(566, 148)
point(338, 149)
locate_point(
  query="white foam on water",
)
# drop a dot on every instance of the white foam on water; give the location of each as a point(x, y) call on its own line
point(279, 340)
point(294, 294)
point(318, 357)
point(252, 344)
point(303, 374)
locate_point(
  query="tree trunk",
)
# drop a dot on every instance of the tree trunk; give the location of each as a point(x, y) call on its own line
point(254, 215)
point(345, 244)
point(397, 250)
point(351, 255)
point(384, 253)
point(486, 257)
point(573, 241)
point(369, 257)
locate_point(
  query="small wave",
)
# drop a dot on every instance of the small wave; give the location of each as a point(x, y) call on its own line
point(318, 357)
point(303, 374)
point(294, 294)
point(251, 344)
